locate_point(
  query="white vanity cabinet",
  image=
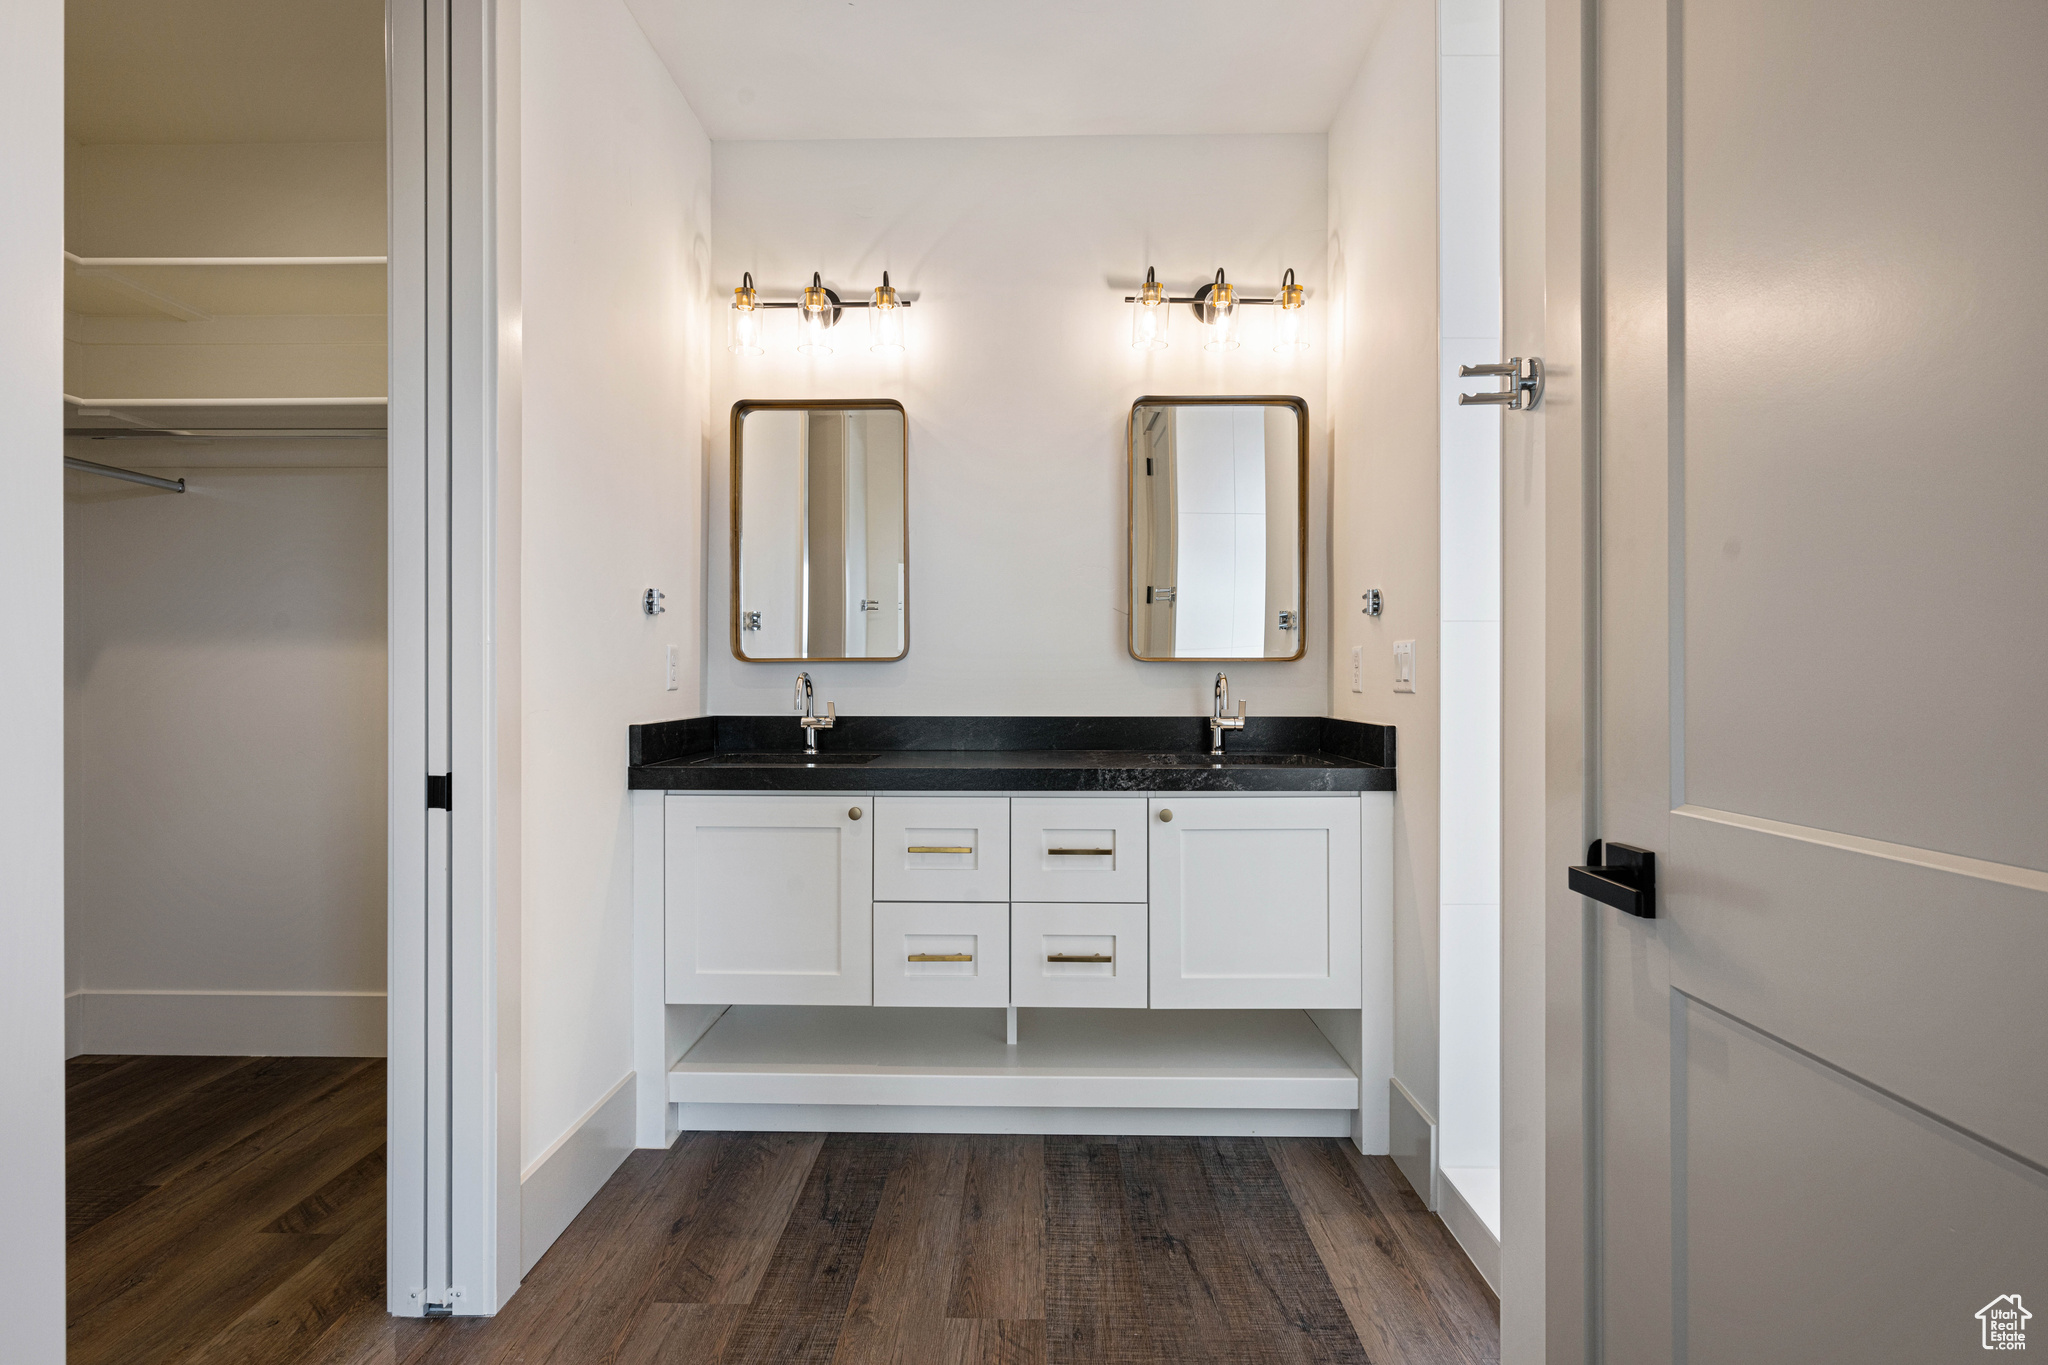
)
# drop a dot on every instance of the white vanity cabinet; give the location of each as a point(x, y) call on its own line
point(1210, 902)
point(769, 900)
point(1222, 971)
point(1255, 902)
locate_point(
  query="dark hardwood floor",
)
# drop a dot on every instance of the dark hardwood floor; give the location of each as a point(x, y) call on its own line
point(229, 1211)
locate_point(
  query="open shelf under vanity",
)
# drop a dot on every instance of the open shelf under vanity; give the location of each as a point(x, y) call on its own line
point(849, 1068)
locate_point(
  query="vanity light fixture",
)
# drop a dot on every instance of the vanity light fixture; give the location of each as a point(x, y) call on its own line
point(818, 311)
point(1287, 327)
point(1216, 307)
point(885, 319)
point(1150, 312)
point(743, 319)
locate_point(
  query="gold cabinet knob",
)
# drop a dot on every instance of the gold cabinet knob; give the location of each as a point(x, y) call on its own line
point(1166, 816)
point(853, 814)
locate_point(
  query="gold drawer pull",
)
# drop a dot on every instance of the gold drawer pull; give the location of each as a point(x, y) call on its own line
point(1079, 957)
point(1084, 852)
point(946, 957)
point(934, 848)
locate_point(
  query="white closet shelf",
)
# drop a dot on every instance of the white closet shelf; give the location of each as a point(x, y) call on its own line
point(376, 402)
point(1116, 1059)
point(109, 261)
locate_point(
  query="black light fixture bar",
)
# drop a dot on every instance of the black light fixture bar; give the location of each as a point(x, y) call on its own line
point(1202, 296)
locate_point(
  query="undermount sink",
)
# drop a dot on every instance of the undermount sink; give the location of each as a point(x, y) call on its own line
point(791, 760)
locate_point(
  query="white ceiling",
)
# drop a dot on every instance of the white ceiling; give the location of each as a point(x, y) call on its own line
point(802, 69)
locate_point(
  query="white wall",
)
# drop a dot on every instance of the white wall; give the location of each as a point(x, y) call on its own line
point(226, 199)
point(614, 249)
point(1468, 188)
point(1018, 380)
point(31, 687)
point(224, 755)
point(1384, 481)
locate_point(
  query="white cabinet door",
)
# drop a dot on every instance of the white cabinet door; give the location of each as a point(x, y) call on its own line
point(1255, 902)
point(770, 900)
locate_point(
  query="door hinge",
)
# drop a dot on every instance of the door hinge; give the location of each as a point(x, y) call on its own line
point(439, 796)
point(1156, 595)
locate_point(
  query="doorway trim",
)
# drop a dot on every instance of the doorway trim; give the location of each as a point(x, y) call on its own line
point(1550, 490)
point(453, 1182)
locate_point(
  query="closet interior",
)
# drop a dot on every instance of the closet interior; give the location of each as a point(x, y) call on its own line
point(225, 527)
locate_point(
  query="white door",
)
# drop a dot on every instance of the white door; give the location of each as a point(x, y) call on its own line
point(1820, 1074)
point(1255, 902)
point(769, 900)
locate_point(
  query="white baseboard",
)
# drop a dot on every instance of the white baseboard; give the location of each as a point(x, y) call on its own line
point(1411, 1140)
point(976, 1118)
point(225, 1023)
point(1482, 1248)
point(556, 1185)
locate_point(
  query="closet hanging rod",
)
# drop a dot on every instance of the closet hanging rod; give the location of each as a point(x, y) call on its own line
point(376, 402)
point(224, 260)
point(88, 467)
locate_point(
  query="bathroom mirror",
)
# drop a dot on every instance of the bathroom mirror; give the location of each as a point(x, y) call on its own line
point(1218, 528)
point(820, 549)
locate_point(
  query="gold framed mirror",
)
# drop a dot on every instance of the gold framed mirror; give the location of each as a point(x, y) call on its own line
point(1217, 560)
point(820, 531)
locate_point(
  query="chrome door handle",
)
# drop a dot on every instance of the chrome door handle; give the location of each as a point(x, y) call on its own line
point(1619, 875)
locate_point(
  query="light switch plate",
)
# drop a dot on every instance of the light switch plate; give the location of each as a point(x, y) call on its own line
point(1358, 668)
point(672, 682)
point(1404, 665)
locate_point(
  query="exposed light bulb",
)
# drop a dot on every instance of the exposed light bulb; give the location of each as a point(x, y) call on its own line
point(1287, 330)
point(885, 319)
point(743, 320)
point(1150, 313)
point(1219, 315)
point(815, 318)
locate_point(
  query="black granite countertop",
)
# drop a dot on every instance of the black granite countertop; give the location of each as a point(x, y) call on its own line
point(1011, 753)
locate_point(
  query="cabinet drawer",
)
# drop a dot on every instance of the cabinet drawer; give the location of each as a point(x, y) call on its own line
point(942, 848)
point(934, 953)
point(1077, 850)
point(1042, 935)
